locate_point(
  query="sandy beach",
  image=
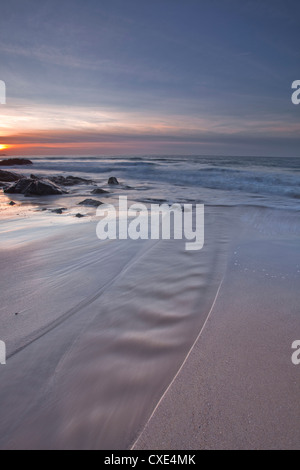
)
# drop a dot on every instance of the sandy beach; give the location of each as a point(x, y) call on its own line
point(238, 388)
point(115, 344)
point(101, 330)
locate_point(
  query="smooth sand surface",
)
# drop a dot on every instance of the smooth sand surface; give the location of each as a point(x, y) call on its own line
point(101, 330)
point(238, 388)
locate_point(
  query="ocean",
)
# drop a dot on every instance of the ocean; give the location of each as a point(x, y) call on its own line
point(260, 181)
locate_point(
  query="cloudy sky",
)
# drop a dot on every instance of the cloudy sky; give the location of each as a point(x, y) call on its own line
point(150, 77)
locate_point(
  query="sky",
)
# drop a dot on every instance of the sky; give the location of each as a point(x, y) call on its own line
point(112, 77)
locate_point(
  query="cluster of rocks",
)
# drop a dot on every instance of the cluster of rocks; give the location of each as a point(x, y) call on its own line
point(14, 183)
point(37, 186)
point(34, 187)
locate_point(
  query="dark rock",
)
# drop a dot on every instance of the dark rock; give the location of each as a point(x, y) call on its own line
point(12, 203)
point(59, 211)
point(34, 177)
point(90, 202)
point(43, 188)
point(20, 187)
point(32, 187)
point(69, 180)
point(9, 176)
point(99, 191)
point(79, 216)
point(15, 161)
point(113, 180)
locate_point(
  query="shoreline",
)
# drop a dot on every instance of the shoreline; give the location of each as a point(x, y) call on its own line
point(124, 317)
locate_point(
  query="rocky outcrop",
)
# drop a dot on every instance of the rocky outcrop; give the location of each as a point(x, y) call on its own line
point(113, 180)
point(15, 161)
point(59, 211)
point(8, 176)
point(99, 191)
point(90, 202)
point(34, 187)
point(69, 180)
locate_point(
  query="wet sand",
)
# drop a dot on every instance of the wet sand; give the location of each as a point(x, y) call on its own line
point(238, 388)
point(101, 330)
point(104, 327)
